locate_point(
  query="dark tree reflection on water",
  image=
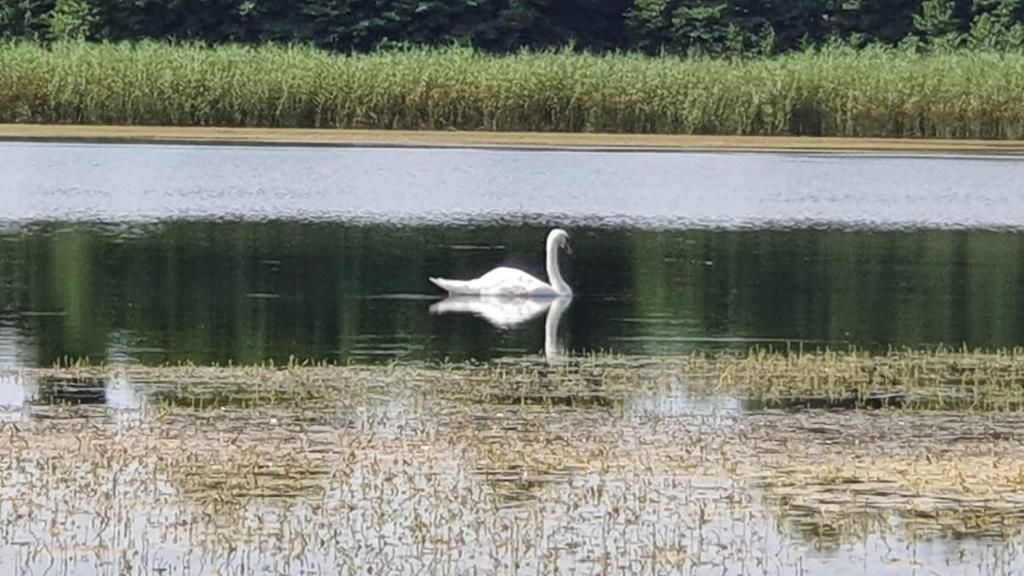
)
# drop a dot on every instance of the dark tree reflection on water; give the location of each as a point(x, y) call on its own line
point(244, 292)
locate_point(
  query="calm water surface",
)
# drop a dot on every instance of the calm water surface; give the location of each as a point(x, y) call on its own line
point(153, 254)
point(156, 254)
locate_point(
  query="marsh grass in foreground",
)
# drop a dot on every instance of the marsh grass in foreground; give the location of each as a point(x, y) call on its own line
point(938, 379)
point(837, 92)
point(595, 464)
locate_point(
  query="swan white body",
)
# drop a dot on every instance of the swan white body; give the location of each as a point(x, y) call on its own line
point(505, 281)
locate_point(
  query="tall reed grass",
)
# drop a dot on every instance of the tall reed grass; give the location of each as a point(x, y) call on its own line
point(836, 92)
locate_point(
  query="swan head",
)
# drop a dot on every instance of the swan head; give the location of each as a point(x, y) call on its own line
point(560, 238)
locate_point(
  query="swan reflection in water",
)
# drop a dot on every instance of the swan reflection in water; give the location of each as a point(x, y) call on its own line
point(510, 312)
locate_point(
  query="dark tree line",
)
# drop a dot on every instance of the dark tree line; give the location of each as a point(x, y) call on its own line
point(653, 26)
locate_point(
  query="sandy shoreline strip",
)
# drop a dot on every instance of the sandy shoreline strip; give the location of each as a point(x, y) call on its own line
point(507, 140)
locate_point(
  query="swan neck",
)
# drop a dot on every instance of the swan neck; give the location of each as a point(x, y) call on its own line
point(554, 272)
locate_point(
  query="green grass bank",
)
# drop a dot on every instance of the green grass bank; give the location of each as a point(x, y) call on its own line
point(876, 92)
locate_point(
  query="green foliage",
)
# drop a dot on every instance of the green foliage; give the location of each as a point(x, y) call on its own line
point(685, 27)
point(936, 25)
point(873, 21)
point(833, 92)
point(647, 22)
point(25, 18)
point(703, 26)
point(997, 25)
point(72, 20)
point(736, 27)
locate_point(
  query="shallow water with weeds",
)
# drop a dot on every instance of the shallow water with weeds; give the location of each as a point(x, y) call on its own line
point(592, 466)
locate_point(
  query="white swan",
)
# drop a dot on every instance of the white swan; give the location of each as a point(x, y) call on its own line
point(505, 281)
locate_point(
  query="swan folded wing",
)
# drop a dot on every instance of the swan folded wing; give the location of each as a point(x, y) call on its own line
point(502, 281)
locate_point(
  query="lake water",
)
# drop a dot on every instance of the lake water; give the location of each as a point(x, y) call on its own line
point(143, 255)
point(152, 254)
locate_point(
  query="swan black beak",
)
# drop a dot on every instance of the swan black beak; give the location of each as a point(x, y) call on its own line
point(568, 248)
